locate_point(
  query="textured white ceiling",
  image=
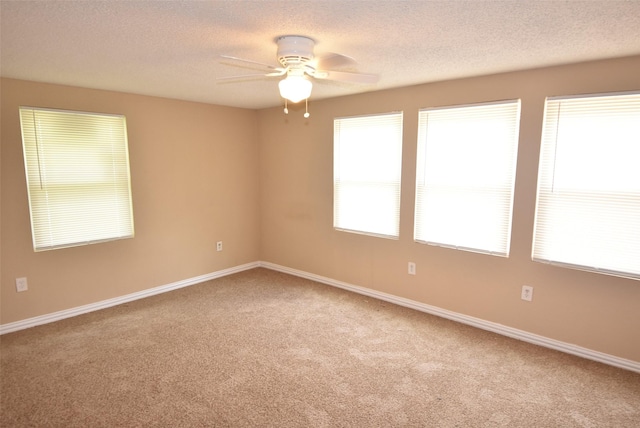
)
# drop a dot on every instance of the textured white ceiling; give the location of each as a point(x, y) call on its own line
point(171, 48)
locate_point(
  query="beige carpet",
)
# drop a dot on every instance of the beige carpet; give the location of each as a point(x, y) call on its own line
point(261, 348)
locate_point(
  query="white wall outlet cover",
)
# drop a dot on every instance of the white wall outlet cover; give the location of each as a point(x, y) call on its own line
point(412, 268)
point(21, 284)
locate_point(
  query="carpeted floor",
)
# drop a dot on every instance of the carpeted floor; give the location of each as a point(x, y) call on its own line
point(262, 348)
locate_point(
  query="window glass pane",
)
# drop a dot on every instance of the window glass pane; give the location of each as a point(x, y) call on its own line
point(465, 176)
point(78, 181)
point(588, 206)
point(367, 174)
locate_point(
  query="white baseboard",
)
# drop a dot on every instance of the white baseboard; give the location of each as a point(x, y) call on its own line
point(68, 313)
point(465, 319)
point(401, 301)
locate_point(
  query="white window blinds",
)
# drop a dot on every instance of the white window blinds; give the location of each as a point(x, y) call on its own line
point(465, 175)
point(367, 171)
point(588, 207)
point(77, 169)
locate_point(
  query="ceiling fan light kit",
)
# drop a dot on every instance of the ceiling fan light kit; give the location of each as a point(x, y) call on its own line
point(295, 87)
point(295, 55)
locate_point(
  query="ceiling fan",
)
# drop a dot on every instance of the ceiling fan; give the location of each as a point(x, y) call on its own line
point(300, 66)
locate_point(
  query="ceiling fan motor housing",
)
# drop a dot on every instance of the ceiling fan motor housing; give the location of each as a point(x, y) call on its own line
point(294, 50)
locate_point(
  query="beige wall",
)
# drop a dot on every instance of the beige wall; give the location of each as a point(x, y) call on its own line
point(595, 311)
point(194, 182)
point(262, 183)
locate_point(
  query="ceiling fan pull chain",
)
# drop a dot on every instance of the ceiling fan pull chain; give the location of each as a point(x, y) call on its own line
point(306, 108)
point(286, 110)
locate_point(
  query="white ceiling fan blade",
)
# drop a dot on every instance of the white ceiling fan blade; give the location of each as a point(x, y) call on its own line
point(331, 60)
point(253, 76)
point(248, 61)
point(343, 76)
point(280, 72)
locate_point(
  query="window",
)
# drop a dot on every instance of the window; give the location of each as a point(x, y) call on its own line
point(77, 169)
point(465, 175)
point(366, 174)
point(588, 207)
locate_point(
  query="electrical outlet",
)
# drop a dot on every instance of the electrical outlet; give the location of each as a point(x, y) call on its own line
point(219, 246)
point(412, 268)
point(21, 284)
point(527, 293)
